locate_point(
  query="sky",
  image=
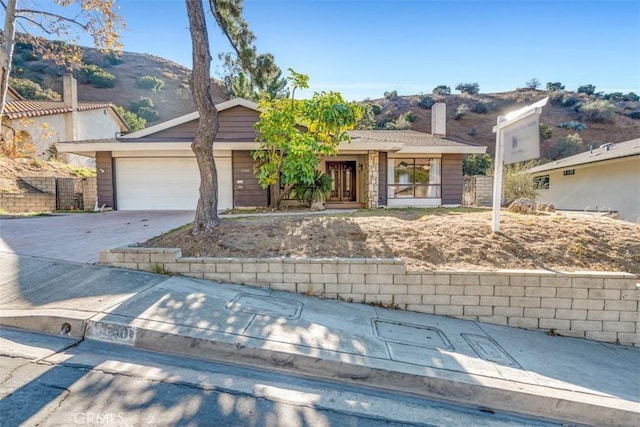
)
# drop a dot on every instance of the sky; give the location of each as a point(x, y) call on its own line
point(363, 48)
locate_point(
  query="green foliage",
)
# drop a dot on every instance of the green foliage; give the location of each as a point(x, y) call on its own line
point(461, 111)
point(580, 127)
point(403, 121)
point(145, 108)
point(368, 120)
point(554, 86)
point(599, 111)
point(132, 120)
point(31, 90)
point(380, 124)
point(426, 102)
point(586, 89)
point(532, 84)
point(564, 99)
point(518, 182)
point(619, 96)
point(479, 108)
point(392, 94)
point(562, 147)
point(96, 76)
point(635, 115)
point(546, 132)
point(631, 96)
point(469, 88)
point(376, 109)
point(316, 191)
point(473, 131)
point(477, 164)
point(151, 83)
point(113, 58)
point(441, 90)
point(295, 134)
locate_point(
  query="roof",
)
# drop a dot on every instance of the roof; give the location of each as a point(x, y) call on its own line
point(30, 108)
point(604, 152)
point(412, 141)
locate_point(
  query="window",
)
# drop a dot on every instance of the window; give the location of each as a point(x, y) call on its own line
point(541, 182)
point(415, 178)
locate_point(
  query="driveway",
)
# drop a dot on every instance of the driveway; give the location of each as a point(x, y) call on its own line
point(80, 237)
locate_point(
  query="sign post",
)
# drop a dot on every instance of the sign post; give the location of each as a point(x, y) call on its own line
point(517, 140)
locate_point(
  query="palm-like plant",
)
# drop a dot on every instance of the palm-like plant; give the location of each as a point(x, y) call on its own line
point(316, 192)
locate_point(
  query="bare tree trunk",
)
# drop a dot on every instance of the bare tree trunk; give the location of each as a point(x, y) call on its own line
point(7, 41)
point(207, 211)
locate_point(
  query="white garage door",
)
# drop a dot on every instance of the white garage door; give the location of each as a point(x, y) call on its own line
point(169, 183)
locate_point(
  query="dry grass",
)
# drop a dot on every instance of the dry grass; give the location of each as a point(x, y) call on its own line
point(11, 169)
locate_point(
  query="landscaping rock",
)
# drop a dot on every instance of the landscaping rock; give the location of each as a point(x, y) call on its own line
point(523, 206)
point(546, 207)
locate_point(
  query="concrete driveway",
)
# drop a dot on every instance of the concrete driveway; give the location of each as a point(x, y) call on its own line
point(80, 237)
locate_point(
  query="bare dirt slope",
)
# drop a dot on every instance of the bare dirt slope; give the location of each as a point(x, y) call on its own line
point(11, 169)
point(437, 239)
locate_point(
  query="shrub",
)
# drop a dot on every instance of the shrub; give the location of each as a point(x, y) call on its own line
point(392, 94)
point(631, 96)
point(580, 127)
point(151, 83)
point(586, 89)
point(441, 90)
point(546, 132)
point(426, 102)
point(367, 121)
point(402, 122)
point(31, 90)
point(554, 86)
point(564, 99)
point(145, 109)
point(477, 164)
point(518, 182)
point(470, 88)
point(132, 120)
point(562, 147)
point(473, 131)
point(96, 76)
point(461, 111)
point(113, 58)
point(614, 96)
point(317, 191)
point(635, 115)
point(381, 124)
point(598, 111)
point(532, 84)
point(479, 108)
point(376, 109)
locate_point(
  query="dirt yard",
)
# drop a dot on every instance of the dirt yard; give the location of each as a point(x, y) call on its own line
point(431, 239)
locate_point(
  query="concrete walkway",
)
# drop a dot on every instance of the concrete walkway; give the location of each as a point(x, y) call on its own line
point(500, 368)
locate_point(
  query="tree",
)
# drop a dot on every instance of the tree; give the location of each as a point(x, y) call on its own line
point(470, 88)
point(441, 90)
point(587, 89)
point(295, 134)
point(554, 86)
point(66, 19)
point(477, 164)
point(532, 84)
point(132, 120)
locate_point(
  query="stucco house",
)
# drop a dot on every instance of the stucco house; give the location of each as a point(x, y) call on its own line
point(45, 123)
point(155, 168)
point(606, 178)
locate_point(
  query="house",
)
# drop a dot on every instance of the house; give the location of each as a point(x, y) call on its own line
point(155, 168)
point(606, 178)
point(44, 123)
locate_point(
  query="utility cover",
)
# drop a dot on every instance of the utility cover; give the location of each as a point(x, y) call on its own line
point(415, 335)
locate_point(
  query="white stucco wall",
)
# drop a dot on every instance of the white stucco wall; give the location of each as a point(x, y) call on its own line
point(612, 185)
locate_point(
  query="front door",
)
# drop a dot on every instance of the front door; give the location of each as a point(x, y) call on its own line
point(343, 187)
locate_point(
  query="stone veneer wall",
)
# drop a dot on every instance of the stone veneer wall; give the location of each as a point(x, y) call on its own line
point(595, 305)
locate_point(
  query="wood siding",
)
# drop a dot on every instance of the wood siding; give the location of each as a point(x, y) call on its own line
point(105, 178)
point(382, 179)
point(185, 130)
point(452, 180)
point(247, 192)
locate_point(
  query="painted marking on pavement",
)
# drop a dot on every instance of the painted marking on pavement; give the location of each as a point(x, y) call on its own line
point(112, 332)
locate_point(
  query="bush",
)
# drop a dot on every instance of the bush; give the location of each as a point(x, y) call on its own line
point(562, 147)
point(473, 131)
point(31, 90)
point(367, 121)
point(614, 96)
point(477, 164)
point(96, 76)
point(554, 86)
point(391, 95)
point(426, 102)
point(546, 132)
point(151, 83)
point(113, 58)
point(564, 99)
point(461, 111)
point(441, 90)
point(470, 88)
point(635, 115)
point(132, 120)
point(532, 84)
point(631, 96)
point(479, 108)
point(587, 89)
point(376, 109)
point(598, 112)
point(318, 191)
point(402, 122)
point(145, 109)
point(517, 182)
point(580, 127)
point(381, 124)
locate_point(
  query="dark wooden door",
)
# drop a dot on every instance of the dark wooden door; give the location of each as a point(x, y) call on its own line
point(343, 187)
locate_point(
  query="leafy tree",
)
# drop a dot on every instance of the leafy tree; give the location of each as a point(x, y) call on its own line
point(441, 90)
point(553, 86)
point(253, 77)
point(145, 108)
point(32, 90)
point(368, 120)
point(587, 89)
point(477, 164)
point(295, 134)
point(426, 102)
point(532, 84)
point(62, 19)
point(470, 88)
point(391, 94)
point(132, 120)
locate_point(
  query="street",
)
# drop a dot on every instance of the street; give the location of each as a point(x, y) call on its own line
point(49, 380)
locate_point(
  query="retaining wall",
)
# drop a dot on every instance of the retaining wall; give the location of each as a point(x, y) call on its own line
point(27, 202)
point(595, 305)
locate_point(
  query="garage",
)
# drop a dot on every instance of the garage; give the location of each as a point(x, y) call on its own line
point(167, 183)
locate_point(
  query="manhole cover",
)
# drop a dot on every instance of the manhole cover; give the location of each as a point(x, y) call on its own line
point(265, 306)
point(490, 350)
point(415, 335)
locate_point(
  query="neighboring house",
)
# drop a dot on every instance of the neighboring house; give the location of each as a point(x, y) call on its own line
point(155, 168)
point(44, 123)
point(603, 179)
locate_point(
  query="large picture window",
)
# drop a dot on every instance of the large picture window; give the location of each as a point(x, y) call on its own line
point(415, 178)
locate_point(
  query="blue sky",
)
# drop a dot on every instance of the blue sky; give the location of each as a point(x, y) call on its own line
point(363, 48)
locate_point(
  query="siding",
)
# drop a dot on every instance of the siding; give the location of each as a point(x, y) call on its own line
point(248, 192)
point(382, 179)
point(105, 178)
point(185, 130)
point(452, 180)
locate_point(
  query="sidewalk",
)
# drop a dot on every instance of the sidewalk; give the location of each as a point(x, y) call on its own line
point(490, 366)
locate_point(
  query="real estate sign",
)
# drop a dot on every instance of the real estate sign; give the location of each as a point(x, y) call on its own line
point(521, 140)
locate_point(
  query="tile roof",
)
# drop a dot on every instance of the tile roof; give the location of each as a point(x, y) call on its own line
point(409, 138)
point(615, 151)
point(30, 108)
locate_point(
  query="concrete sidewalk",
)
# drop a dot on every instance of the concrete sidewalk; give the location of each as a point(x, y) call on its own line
point(500, 368)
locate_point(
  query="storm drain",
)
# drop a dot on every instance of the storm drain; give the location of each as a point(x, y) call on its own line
point(490, 350)
point(414, 335)
point(265, 306)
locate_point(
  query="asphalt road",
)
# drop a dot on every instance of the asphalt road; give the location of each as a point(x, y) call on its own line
point(47, 380)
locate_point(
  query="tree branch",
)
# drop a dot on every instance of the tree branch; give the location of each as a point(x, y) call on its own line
point(19, 13)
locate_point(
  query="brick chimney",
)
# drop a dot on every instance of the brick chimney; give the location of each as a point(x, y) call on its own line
point(439, 120)
point(70, 91)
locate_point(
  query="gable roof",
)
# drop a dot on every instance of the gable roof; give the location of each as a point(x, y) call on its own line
point(29, 108)
point(411, 141)
point(604, 152)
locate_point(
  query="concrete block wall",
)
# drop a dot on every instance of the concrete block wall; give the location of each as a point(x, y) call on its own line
point(89, 192)
point(27, 202)
point(46, 184)
point(594, 305)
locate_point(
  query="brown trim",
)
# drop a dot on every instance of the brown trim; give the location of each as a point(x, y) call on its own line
point(105, 179)
point(382, 179)
point(247, 192)
point(452, 179)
